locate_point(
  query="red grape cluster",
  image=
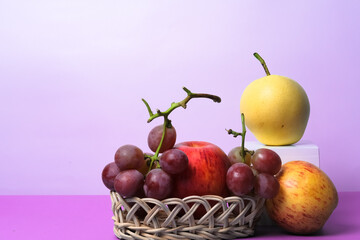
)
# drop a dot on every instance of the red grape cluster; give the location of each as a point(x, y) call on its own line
point(134, 173)
point(252, 172)
point(255, 174)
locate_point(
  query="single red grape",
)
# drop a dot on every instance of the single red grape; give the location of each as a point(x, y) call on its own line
point(155, 135)
point(158, 184)
point(108, 175)
point(129, 157)
point(129, 183)
point(266, 161)
point(144, 169)
point(235, 156)
point(240, 179)
point(174, 161)
point(266, 185)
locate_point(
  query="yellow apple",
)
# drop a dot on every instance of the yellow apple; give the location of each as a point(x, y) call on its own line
point(276, 108)
point(306, 199)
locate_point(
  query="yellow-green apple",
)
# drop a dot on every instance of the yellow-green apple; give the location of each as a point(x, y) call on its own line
point(277, 109)
point(206, 171)
point(306, 199)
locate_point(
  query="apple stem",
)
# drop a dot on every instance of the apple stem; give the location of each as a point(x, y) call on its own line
point(262, 63)
point(165, 114)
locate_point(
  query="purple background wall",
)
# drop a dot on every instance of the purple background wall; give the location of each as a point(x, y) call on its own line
point(73, 74)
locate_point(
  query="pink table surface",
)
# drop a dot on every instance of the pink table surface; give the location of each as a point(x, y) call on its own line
point(89, 217)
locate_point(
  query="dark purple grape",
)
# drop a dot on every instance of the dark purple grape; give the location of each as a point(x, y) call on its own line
point(108, 175)
point(266, 161)
point(266, 185)
point(129, 157)
point(235, 156)
point(155, 135)
point(129, 183)
point(145, 167)
point(240, 179)
point(174, 161)
point(158, 184)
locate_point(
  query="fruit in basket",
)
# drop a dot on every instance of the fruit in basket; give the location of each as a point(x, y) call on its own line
point(173, 161)
point(266, 160)
point(240, 179)
point(258, 173)
point(155, 135)
point(235, 156)
point(110, 171)
point(277, 109)
point(206, 171)
point(144, 169)
point(266, 185)
point(129, 183)
point(158, 184)
point(126, 174)
point(306, 199)
point(129, 157)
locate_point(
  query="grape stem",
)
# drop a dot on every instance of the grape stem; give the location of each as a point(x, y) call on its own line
point(182, 103)
point(262, 61)
point(165, 114)
point(242, 134)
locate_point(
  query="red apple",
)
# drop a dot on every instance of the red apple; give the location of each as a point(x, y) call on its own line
point(206, 171)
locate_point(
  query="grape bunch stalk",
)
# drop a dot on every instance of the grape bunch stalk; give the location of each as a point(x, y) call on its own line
point(252, 172)
point(135, 173)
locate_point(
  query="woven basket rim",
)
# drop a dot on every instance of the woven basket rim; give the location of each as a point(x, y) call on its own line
point(175, 218)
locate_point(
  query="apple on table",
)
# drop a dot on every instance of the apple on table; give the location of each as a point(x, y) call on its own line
point(306, 199)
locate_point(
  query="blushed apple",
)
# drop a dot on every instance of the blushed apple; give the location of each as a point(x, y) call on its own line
point(306, 198)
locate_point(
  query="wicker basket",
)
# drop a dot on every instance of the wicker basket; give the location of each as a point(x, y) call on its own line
point(174, 218)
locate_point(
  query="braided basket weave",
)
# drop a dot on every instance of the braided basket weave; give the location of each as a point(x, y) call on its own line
point(174, 218)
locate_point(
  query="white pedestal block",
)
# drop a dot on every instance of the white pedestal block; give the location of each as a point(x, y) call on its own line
point(305, 151)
